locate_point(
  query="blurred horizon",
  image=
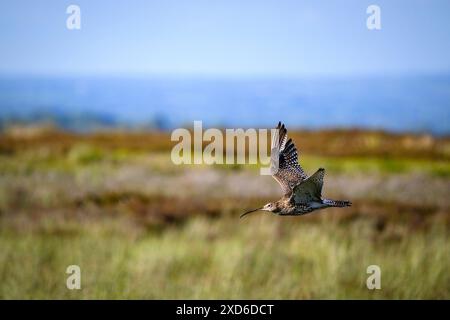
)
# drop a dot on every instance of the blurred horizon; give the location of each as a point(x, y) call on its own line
point(313, 65)
point(414, 104)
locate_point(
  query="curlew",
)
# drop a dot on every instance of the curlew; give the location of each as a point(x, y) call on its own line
point(301, 194)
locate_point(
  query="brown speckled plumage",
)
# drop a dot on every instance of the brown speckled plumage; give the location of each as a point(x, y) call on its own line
point(284, 161)
point(302, 194)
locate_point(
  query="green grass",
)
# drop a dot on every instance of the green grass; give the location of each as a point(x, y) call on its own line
point(375, 165)
point(379, 165)
point(141, 227)
point(261, 257)
point(84, 155)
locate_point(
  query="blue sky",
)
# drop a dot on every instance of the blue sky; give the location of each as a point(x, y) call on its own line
point(235, 38)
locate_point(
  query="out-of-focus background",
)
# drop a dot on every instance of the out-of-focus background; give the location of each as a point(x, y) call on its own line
point(87, 178)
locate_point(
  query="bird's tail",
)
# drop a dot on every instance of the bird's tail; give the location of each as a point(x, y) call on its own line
point(337, 203)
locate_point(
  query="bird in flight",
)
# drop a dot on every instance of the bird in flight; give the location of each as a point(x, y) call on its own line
point(302, 194)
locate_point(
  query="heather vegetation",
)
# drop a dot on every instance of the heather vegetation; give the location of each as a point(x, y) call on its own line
point(141, 227)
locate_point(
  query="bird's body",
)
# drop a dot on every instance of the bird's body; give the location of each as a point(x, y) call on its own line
point(302, 194)
point(287, 206)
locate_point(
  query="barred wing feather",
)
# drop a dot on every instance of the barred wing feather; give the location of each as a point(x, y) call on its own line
point(284, 161)
point(310, 189)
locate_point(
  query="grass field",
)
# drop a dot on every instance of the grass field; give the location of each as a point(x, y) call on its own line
point(140, 227)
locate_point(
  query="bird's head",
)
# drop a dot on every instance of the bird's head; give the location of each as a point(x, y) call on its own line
point(270, 207)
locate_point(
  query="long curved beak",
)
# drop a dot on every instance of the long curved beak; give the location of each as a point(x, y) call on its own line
point(242, 215)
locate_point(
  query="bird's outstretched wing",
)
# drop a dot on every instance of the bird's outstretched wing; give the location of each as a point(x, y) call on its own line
point(310, 189)
point(284, 161)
